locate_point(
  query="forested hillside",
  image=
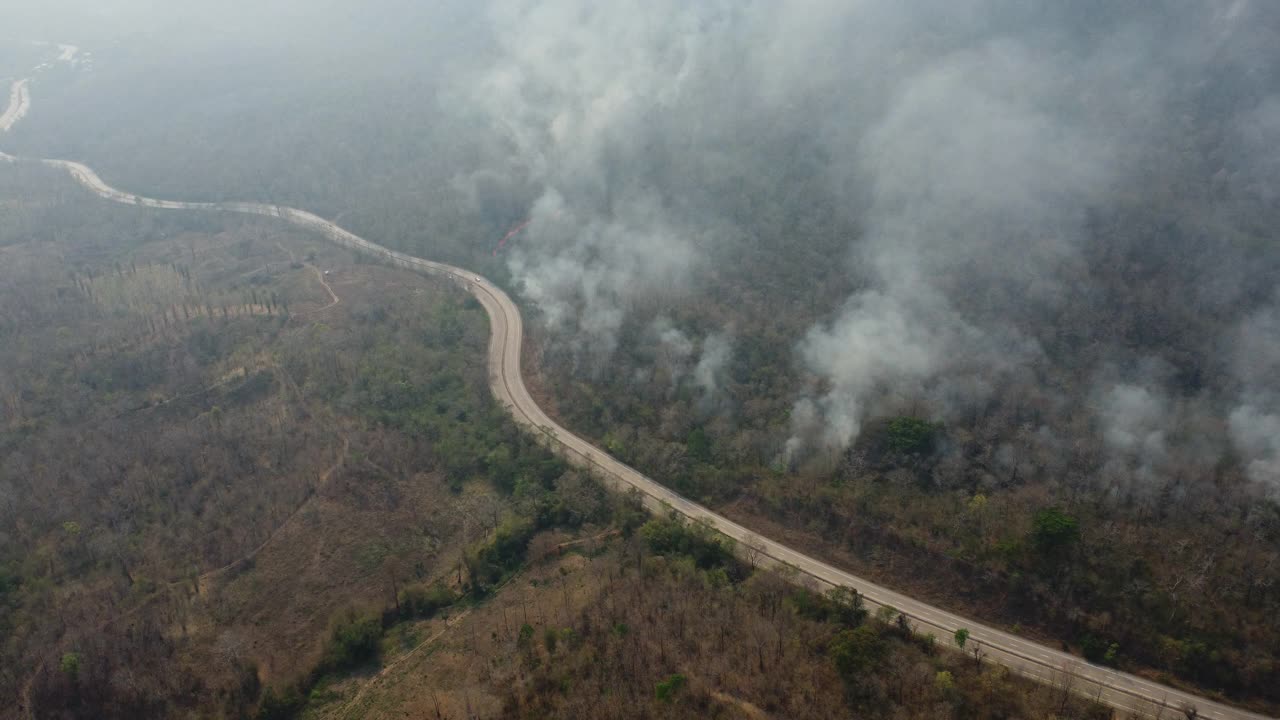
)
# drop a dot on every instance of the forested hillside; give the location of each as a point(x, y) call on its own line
point(662, 622)
point(212, 446)
point(248, 475)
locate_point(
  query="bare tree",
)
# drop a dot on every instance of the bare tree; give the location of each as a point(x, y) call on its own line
point(752, 549)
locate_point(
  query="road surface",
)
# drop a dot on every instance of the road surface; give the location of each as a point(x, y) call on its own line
point(19, 103)
point(1125, 692)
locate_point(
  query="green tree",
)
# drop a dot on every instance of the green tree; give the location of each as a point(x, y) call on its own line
point(1113, 651)
point(977, 504)
point(353, 640)
point(912, 435)
point(526, 636)
point(667, 689)
point(962, 637)
point(70, 665)
point(673, 536)
point(847, 606)
point(856, 651)
point(944, 681)
point(1053, 531)
point(698, 445)
point(425, 601)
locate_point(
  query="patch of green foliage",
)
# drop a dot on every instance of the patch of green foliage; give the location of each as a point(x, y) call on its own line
point(698, 444)
point(1053, 531)
point(842, 606)
point(856, 651)
point(281, 705)
point(912, 436)
point(667, 689)
point(502, 555)
point(526, 636)
point(673, 536)
point(945, 681)
point(424, 601)
point(1096, 649)
point(432, 391)
point(70, 665)
point(353, 641)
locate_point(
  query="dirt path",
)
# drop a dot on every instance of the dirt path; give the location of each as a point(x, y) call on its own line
point(333, 296)
point(747, 708)
point(449, 625)
point(585, 540)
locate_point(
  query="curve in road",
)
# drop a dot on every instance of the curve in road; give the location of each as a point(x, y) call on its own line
point(19, 103)
point(1125, 692)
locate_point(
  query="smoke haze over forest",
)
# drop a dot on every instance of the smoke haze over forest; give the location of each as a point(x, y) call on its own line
point(966, 161)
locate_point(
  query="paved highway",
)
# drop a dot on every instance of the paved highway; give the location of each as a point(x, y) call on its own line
point(1128, 693)
point(19, 102)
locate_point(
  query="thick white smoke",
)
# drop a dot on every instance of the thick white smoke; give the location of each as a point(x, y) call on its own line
point(574, 89)
point(993, 193)
point(1255, 423)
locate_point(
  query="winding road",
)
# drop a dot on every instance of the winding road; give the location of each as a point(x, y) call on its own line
point(1125, 692)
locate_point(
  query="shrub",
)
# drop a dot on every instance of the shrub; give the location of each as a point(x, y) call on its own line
point(70, 665)
point(502, 555)
point(672, 536)
point(526, 636)
point(424, 601)
point(1054, 531)
point(856, 651)
point(667, 689)
point(841, 605)
point(944, 681)
point(352, 641)
point(280, 706)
